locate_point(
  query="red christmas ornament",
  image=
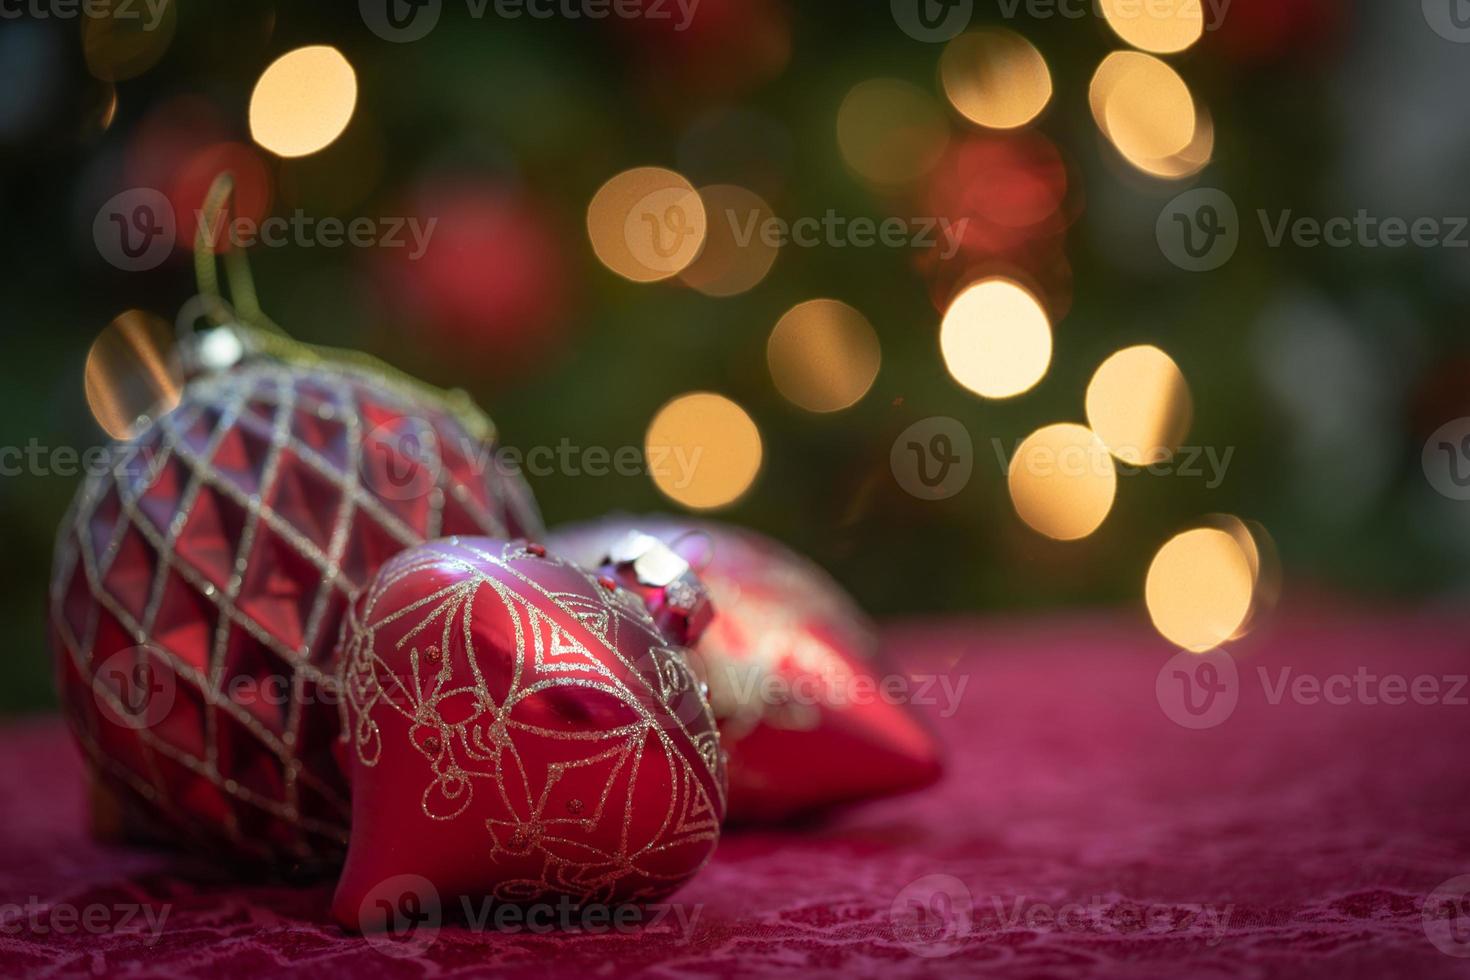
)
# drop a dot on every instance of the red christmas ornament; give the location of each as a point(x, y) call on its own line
point(489, 281)
point(521, 731)
point(711, 51)
point(1007, 196)
point(792, 667)
point(199, 585)
point(1264, 31)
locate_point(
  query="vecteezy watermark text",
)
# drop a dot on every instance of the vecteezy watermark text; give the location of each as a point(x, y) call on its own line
point(137, 229)
point(1209, 463)
point(149, 12)
point(1212, 12)
point(934, 915)
point(306, 231)
point(840, 689)
point(1200, 230)
point(399, 461)
point(402, 916)
point(834, 230)
point(937, 21)
point(1200, 691)
point(42, 918)
point(402, 21)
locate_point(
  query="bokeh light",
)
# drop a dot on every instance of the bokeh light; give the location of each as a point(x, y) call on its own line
point(646, 224)
point(736, 255)
point(703, 450)
point(1062, 481)
point(996, 339)
point(1139, 404)
point(1160, 26)
point(132, 373)
point(1193, 158)
point(1145, 108)
point(123, 39)
point(489, 294)
point(890, 132)
point(995, 78)
point(190, 182)
point(1199, 588)
point(1259, 549)
point(823, 355)
point(303, 101)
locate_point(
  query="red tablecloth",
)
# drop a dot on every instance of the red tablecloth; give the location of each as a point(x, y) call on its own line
point(1088, 833)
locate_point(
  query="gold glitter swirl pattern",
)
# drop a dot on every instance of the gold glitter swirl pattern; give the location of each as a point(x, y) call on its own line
point(221, 549)
point(525, 677)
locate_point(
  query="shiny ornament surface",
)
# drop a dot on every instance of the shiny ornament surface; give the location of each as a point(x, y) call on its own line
point(200, 582)
point(518, 730)
point(793, 671)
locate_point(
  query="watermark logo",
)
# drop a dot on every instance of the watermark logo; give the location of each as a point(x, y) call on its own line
point(933, 21)
point(1114, 916)
point(401, 916)
point(135, 230)
point(1450, 19)
point(1199, 230)
point(1446, 459)
point(37, 918)
point(146, 14)
point(1211, 12)
point(1446, 917)
point(134, 688)
point(307, 231)
point(665, 229)
point(401, 21)
point(1198, 690)
point(933, 458)
point(1207, 463)
point(401, 459)
point(834, 230)
point(932, 916)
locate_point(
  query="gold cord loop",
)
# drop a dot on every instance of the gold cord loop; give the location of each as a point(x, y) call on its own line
point(242, 313)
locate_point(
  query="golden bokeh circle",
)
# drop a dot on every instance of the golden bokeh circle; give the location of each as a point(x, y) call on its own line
point(823, 355)
point(122, 39)
point(1062, 481)
point(1199, 588)
point(303, 101)
point(1139, 404)
point(890, 132)
point(1160, 26)
point(1146, 110)
point(995, 78)
point(737, 253)
point(996, 339)
point(132, 375)
point(646, 224)
point(703, 450)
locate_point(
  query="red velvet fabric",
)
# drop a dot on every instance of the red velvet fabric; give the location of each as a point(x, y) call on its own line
point(1295, 839)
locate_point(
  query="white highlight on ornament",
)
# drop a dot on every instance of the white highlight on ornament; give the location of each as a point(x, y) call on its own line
point(219, 349)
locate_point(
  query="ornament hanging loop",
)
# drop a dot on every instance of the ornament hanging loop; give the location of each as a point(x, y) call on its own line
point(258, 334)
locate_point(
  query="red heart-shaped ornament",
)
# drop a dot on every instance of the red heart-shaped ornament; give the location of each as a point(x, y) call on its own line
point(519, 730)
